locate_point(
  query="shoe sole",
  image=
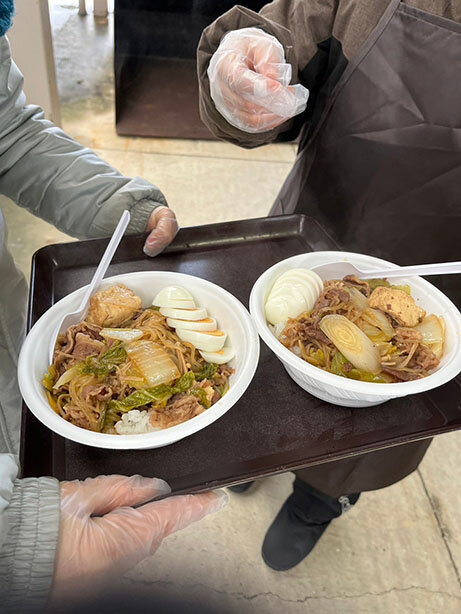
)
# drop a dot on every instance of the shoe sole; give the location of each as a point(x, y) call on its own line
point(275, 568)
point(242, 492)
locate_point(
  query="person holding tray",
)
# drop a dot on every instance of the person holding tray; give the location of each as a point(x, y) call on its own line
point(376, 109)
point(51, 543)
point(46, 172)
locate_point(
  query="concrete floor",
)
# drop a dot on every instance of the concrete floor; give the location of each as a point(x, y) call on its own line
point(399, 550)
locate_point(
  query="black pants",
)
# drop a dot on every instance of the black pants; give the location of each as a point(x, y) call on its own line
point(370, 471)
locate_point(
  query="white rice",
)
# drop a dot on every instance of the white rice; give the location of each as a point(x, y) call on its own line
point(134, 422)
point(277, 329)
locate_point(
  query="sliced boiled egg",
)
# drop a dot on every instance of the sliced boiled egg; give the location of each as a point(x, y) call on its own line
point(310, 277)
point(220, 357)
point(184, 314)
point(174, 297)
point(289, 305)
point(314, 285)
point(308, 292)
point(211, 341)
point(292, 293)
point(206, 324)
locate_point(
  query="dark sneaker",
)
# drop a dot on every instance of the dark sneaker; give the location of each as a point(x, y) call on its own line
point(241, 488)
point(300, 524)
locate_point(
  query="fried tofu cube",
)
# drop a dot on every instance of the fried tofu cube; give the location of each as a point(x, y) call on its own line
point(399, 305)
point(112, 307)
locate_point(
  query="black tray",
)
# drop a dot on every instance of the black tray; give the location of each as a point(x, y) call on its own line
point(276, 426)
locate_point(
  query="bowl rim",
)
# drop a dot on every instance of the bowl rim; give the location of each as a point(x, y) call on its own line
point(443, 375)
point(41, 409)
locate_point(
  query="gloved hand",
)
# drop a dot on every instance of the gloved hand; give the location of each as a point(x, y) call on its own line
point(249, 81)
point(101, 537)
point(164, 226)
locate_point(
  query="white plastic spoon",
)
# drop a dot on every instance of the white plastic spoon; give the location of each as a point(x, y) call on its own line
point(338, 270)
point(77, 316)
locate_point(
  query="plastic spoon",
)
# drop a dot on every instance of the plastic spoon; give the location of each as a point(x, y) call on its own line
point(77, 316)
point(335, 270)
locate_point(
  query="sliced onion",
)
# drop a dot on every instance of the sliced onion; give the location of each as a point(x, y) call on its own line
point(66, 377)
point(133, 378)
point(358, 299)
point(370, 330)
point(153, 362)
point(437, 348)
point(431, 330)
point(122, 334)
point(352, 343)
point(377, 318)
point(443, 325)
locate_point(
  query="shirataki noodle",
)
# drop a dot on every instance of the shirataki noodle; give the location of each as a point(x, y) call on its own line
point(87, 399)
point(402, 350)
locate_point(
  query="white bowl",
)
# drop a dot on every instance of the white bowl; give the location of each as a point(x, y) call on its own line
point(230, 313)
point(347, 392)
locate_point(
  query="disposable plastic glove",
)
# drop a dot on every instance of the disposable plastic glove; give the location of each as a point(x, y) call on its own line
point(249, 81)
point(101, 537)
point(163, 226)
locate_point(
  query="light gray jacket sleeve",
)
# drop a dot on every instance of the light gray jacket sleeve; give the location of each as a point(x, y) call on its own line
point(29, 529)
point(45, 171)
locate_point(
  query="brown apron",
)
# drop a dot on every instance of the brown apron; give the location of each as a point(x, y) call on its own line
point(382, 172)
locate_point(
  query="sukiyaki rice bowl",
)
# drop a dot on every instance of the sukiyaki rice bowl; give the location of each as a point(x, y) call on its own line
point(159, 356)
point(352, 342)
